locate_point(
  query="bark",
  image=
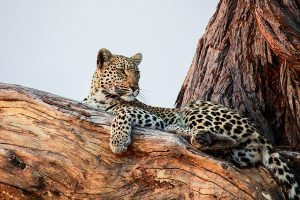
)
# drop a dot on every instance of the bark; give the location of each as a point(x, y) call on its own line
point(56, 148)
point(248, 59)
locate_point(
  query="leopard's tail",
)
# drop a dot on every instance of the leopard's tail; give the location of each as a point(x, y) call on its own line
point(281, 172)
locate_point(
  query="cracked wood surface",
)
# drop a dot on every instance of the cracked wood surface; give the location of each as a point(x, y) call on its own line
point(55, 148)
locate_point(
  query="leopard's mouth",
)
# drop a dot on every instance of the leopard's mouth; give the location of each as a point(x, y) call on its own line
point(109, 94)
point(128, 98)
point(125, 94)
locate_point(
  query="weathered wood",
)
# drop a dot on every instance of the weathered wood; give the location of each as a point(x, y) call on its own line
point(249, 59)
point(56, 148)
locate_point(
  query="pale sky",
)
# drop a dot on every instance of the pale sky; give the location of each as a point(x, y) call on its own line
point(51, 45)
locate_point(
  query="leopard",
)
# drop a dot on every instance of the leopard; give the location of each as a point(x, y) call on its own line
point(207, 126)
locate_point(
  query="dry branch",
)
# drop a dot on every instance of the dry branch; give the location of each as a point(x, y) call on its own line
point(55, 148)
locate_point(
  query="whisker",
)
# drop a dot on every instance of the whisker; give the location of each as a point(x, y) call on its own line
point(141, 96)
point(145, 90)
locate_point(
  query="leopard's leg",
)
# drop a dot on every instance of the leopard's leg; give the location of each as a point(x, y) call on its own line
point(246, 157)
point(120, 131)
point(94, 103)
point(204, 139)
point(179, 130)
point(123, 122)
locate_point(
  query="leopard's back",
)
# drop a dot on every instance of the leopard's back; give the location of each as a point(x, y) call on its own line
point(205, 115)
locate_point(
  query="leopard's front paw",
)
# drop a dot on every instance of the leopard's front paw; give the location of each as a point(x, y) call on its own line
point(102, 107)
point(119, 143)
point(85, 102)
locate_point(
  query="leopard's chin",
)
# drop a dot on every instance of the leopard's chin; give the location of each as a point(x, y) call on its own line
point(128, 98)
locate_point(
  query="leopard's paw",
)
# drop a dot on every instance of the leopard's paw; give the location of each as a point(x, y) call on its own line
point(208, 141)
point(102, 107)
point(94, 103)
point(85, 101)
point(119, 143)
point(201, 140)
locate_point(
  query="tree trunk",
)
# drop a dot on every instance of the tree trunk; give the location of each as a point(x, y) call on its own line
point(249, 59)
point(56, 148)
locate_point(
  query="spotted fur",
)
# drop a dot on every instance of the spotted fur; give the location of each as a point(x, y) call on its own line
point(207, 126)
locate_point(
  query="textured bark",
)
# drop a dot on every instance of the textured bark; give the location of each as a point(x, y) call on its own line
point(249, 59)
point(56, 148)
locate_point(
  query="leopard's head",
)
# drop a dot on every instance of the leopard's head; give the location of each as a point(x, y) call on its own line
point(116, 76)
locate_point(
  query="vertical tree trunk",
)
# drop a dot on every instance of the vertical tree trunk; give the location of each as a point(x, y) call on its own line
point(249, 59)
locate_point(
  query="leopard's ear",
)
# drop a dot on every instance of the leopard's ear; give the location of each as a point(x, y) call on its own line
point(137, 58)
point(103, 56)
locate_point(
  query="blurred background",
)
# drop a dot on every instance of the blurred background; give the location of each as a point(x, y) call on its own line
point(52, 45)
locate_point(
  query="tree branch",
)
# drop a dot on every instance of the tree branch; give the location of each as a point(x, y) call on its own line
point(55, 148)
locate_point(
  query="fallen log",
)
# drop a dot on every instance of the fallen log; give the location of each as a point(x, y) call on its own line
point(56, 148)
